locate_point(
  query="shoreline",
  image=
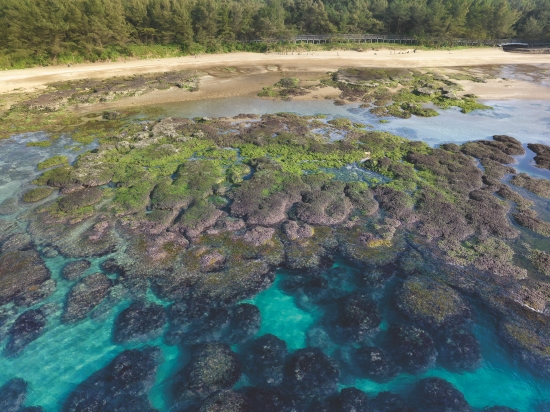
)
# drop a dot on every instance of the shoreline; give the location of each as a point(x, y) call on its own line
point(28, 80)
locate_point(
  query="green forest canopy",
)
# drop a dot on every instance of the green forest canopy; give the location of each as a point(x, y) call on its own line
point(50, 29)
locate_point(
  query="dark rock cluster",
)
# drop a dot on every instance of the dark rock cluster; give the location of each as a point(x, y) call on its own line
point(122, 385)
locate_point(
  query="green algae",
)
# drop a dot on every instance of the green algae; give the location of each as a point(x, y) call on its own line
point(53, 161)
point(37, 194)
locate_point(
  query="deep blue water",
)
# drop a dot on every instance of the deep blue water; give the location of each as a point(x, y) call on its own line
point(65, 355)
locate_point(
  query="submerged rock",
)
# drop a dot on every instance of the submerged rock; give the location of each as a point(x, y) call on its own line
point(357, 317)
point(412, 348)
point(9, 206)
point(18, 241)
point(263, 360)
point(375, 363)
point(193, 324)
point(269, 400)
point(12, 395)
point(212, 367)
point(349, 399)
point(85, 296)
point(437, 395)
point(26, 328)
point(225, 401)
point(74, 270)
point(389, 402)
point(141, 321)
point(529, 340)
point(459, 350)
point(122, 385)
point(309, 372)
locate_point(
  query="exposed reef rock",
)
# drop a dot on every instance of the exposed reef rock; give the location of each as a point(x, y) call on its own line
point(540, 187)
point(205, 213)
point(542, 159)
point(431, 304)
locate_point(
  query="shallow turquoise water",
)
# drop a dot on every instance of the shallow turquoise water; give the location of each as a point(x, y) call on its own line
point(65, 355)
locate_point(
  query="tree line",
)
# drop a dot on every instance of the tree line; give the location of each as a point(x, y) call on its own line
point(34, 29)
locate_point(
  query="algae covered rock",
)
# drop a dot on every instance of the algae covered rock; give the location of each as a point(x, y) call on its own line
point(37, 194)
point(80, 199)
point(124, 383)
point(326, 207)
point(540, 187)
point(73, 270)
point(17, 241)
point(530, 341)
point(542, 158)
point(85, 296)
point(23, 277)
point(432, 304)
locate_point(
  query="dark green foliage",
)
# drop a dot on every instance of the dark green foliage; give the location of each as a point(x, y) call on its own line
point(41, 31)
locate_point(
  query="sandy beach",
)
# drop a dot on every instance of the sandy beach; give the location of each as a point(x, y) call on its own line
point(251, 71)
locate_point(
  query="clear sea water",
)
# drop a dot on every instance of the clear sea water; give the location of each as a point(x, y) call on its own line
point(65, 355)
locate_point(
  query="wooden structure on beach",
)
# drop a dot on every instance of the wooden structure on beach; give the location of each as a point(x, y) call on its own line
point(390, 38)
